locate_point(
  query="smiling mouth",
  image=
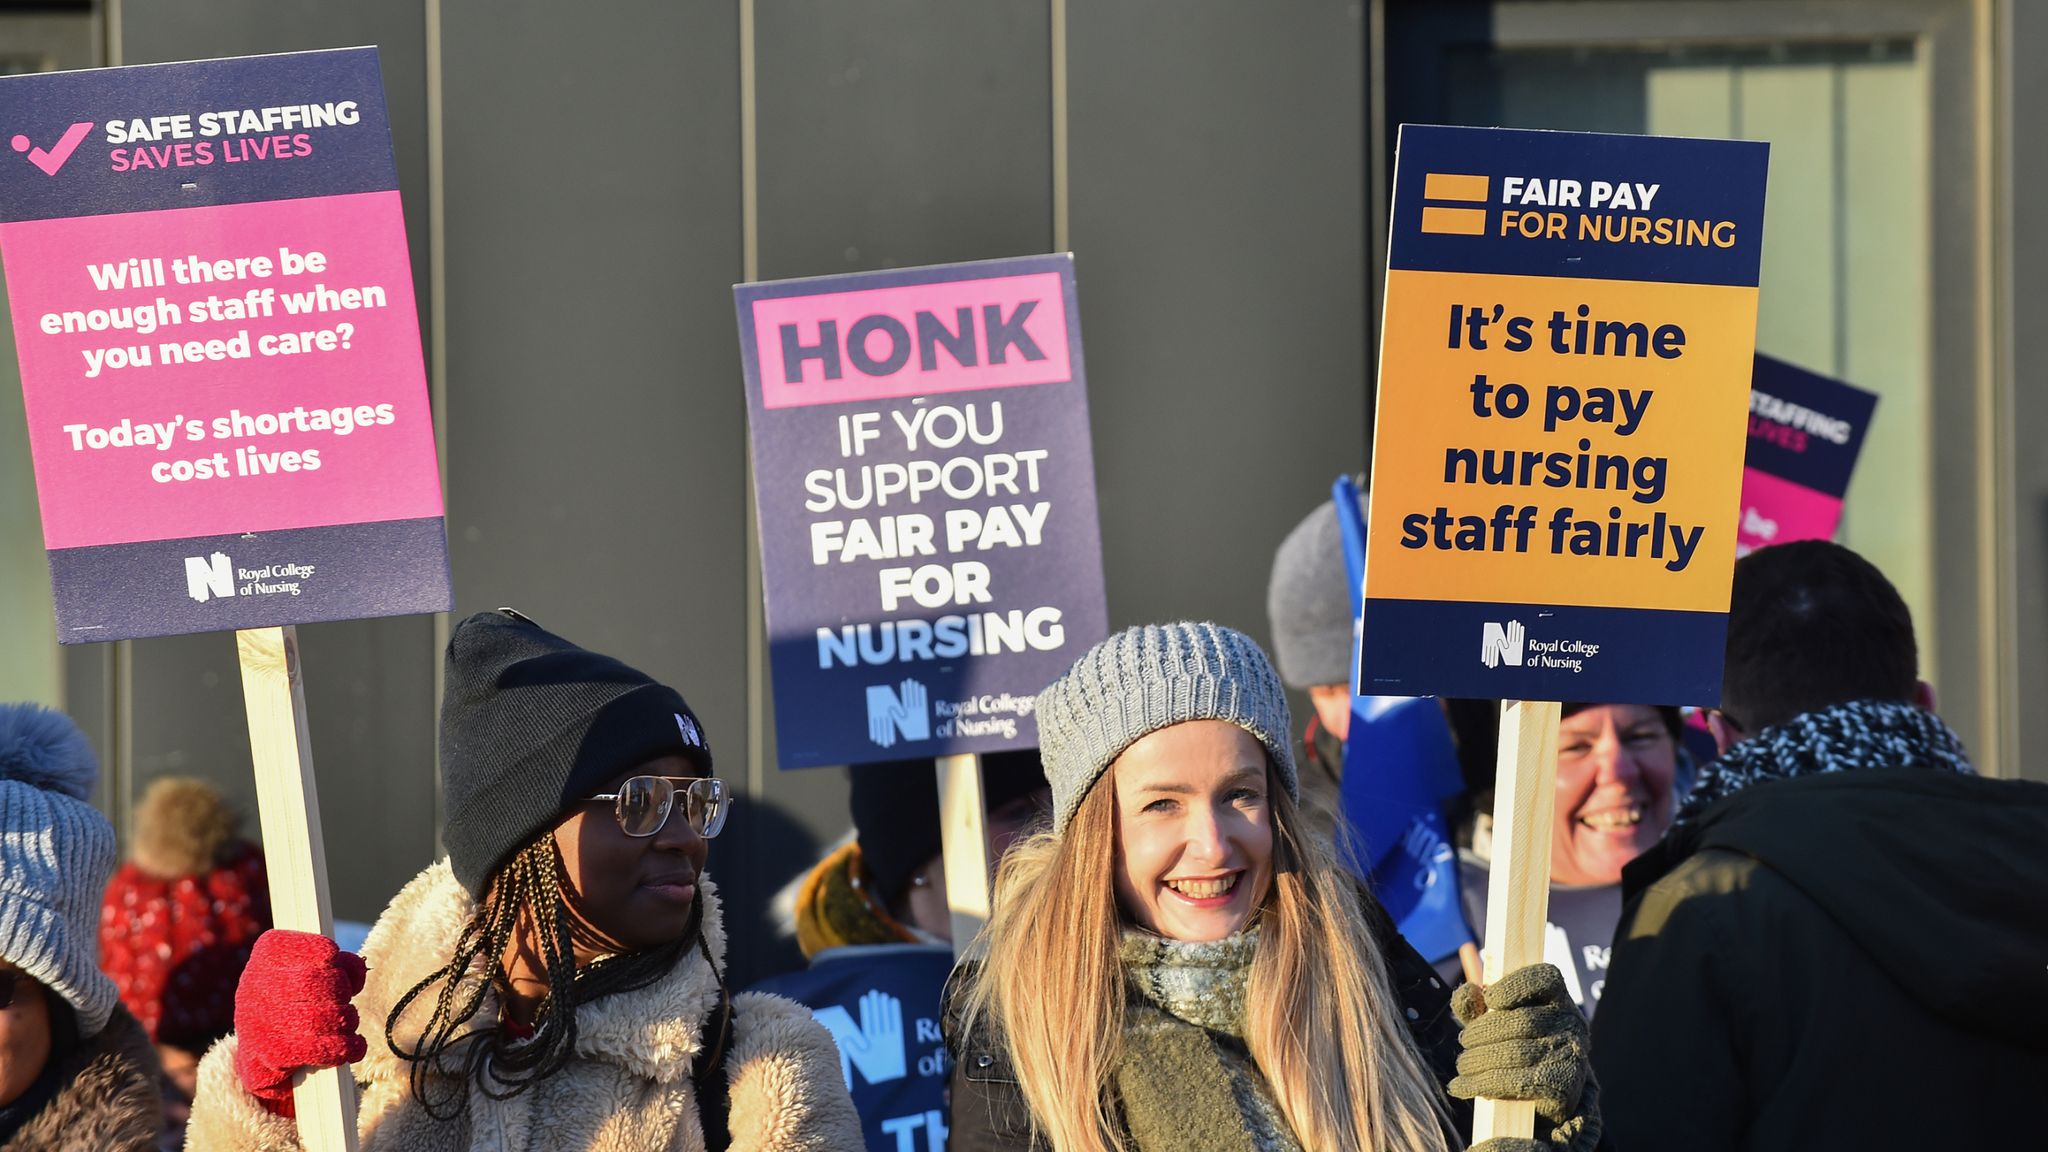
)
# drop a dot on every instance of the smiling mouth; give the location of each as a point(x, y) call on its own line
point(1611, 819)
point(1205, 889)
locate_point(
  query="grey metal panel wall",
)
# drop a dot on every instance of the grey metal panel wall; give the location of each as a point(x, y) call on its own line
point(2029, 280)
point(1218, 208)
point(596, 421)
point(595, 427)
point(369, 687)
point(891, 133)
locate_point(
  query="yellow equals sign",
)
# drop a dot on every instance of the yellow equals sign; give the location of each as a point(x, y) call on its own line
point(1454, 221)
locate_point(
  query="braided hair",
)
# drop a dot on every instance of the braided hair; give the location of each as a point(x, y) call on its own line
point(533, 885)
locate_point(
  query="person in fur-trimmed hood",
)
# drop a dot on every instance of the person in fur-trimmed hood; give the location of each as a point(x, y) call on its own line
point(556, 983)
point(76, 1070)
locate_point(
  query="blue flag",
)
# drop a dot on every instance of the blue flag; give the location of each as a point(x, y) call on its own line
point(1400, 774)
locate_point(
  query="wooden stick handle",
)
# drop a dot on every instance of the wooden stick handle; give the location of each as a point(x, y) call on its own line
point(294, 856)
point(963, 833)
point(1518, 883)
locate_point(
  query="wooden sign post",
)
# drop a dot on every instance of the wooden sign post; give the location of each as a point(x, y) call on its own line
point(963, 832)
point(1518, 885)
point(289, 806)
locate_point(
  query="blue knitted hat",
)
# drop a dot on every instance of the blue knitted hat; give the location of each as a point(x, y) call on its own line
point(56, 852)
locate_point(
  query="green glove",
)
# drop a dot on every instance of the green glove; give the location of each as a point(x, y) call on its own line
point(1524, 1039)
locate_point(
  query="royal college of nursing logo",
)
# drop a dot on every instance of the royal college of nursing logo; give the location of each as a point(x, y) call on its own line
point(903, 711)
point(210, 577)
point(1501, 643)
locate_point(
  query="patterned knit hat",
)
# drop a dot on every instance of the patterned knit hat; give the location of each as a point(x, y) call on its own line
point(530, 722)
point(56, 852)
point(1151, 677)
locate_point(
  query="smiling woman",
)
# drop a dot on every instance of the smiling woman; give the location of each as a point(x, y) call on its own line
point(1180, 963)
point(1620, 771)
point(557, 982)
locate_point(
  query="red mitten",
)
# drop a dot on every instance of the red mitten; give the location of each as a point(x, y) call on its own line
point(292, 1011)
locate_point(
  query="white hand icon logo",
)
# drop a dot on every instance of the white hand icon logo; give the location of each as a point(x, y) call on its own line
point(875, 1045)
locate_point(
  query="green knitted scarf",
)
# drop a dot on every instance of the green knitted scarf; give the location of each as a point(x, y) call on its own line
point(1186, 1082)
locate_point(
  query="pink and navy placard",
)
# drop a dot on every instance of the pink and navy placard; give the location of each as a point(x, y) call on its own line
point(930, 553)
point(219, 346)
point(1805, 432)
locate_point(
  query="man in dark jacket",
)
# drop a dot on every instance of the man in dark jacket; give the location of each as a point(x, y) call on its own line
point(1841, 944)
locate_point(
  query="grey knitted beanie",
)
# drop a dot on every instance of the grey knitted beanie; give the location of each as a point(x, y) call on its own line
point(1151, 677)
point(56, 852)
point(1308, 602)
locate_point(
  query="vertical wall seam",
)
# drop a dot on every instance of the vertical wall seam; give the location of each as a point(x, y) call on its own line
point(1998, 606)
point(1378, 228)
point(1838, 161)
point(750, 270)
point(120, 730)
point(437, 335)
point(1062, 235)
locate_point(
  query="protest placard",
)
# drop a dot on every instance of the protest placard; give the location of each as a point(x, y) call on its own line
point(219, 350)
point(1805, 432)
point(1570, 321)
point(925, 494)
point(926, 501)
point(1557, 460)
point(226, 402)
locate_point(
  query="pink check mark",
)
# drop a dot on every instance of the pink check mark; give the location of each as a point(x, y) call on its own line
point(52, 159)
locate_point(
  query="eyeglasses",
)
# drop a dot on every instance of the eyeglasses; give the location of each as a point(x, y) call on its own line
point(642, 803)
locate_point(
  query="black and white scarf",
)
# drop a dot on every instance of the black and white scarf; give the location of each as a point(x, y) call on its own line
point(1847, 737)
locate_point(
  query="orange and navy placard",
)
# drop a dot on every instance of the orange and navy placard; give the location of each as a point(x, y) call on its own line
point(1563, 405)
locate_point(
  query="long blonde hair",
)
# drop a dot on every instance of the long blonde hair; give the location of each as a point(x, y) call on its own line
point(1321, 1024)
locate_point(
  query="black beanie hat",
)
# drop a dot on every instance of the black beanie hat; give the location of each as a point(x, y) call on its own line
point(529, 723)
point(895, 807)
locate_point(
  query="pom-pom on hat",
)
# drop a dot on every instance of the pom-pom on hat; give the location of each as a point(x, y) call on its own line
point(531, 722)
point(56, 852)
point(1151, 677)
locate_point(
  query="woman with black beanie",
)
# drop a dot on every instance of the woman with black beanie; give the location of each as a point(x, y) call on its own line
point(554, 984)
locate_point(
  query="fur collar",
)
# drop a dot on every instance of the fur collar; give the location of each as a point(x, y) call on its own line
point(653, 1032)
point(109, 1100)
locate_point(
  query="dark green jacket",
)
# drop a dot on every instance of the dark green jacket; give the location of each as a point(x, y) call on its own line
point(1856, 960)
point(988, 1109)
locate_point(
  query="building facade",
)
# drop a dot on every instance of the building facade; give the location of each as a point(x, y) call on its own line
point(584, 183)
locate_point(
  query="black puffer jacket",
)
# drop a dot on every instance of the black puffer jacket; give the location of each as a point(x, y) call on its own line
point(1856, 960)
point(990, 1115)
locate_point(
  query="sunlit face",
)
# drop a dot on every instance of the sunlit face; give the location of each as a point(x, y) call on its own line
point(637, 891)
point(1194, 830)
point(24, 1035)
point(1615, 765)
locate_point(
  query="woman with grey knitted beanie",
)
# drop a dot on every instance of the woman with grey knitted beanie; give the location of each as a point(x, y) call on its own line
point(1180, 964)
point(77, 1073)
